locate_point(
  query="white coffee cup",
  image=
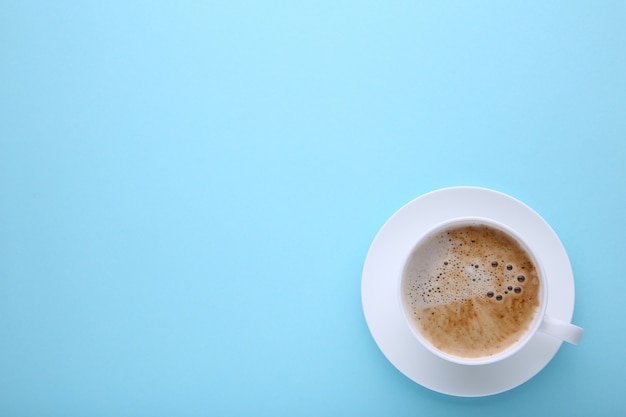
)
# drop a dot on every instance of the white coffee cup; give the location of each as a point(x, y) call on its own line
point(540, 322)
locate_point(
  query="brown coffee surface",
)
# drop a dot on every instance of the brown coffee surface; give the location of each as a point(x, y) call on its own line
point(471, 290)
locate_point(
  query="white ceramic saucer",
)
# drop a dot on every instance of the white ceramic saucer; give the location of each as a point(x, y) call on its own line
point(385, 261)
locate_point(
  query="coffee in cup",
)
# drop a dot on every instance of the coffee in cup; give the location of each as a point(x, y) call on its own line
point(472, 291)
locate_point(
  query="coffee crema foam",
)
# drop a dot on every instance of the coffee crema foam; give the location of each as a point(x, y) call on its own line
point(471, 290)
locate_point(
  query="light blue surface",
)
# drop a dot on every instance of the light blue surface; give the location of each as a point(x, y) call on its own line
point(188, 191)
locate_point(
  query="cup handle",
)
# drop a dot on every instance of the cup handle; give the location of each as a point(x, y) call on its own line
point(561, 329)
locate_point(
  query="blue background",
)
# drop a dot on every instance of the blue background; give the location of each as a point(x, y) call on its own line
point(188, 191)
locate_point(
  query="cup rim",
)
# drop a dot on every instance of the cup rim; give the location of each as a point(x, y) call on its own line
point(539, 313)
